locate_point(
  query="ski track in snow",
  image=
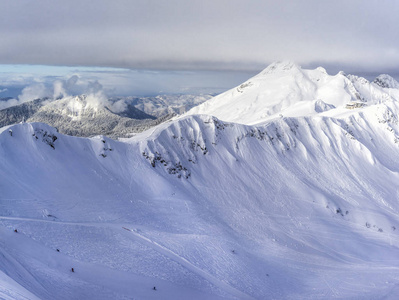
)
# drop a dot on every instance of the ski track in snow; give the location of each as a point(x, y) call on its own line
point(154, 245)
point(184, 262)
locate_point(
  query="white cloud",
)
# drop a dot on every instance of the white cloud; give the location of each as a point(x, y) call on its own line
point(59, 90)
point(96, 98)
point(73, 85)
point(63, 88)
point(8, 103)
point(32, 92)
point(118, 106)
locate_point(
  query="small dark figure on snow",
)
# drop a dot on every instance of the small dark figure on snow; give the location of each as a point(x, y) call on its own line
point(72, 270)
point(154, 288)
point(58, 250)
point(15, 230)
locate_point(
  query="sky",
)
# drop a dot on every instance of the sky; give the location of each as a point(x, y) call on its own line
point(148, 47)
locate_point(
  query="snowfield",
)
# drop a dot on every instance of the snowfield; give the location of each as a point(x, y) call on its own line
point(293, 207)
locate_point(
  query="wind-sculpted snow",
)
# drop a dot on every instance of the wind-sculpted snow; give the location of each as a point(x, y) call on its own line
point(298, 208)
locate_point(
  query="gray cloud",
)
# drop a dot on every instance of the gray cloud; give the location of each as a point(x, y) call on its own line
point(208, 35)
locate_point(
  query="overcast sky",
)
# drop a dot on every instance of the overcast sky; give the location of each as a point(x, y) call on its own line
point(221, 35)
point(205, 34)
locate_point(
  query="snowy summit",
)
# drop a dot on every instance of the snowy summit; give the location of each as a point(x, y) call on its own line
point(285, 89)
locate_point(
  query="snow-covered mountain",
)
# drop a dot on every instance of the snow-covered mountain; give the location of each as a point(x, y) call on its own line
point(81, 116)
point(86, 115)
point(285, 89)
point(19, 113)
point(302, 207)
point(386, 81)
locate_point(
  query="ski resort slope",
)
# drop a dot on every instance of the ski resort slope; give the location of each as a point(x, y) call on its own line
point(199, 208)
point(285, 89)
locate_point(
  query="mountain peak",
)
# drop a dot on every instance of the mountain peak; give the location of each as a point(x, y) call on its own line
point(284, 88)
point(386, 81)
point(322, 70)
point(280, 66)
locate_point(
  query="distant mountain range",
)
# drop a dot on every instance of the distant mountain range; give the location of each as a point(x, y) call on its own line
point(82, 116)
point(163, 105)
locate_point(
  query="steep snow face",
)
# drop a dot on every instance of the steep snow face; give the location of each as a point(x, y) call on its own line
point(200, 208)
point(286, 89)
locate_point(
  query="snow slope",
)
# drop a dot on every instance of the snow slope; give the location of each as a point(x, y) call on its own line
point(299, 208)
point(285, 89)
